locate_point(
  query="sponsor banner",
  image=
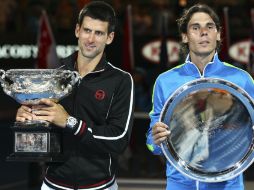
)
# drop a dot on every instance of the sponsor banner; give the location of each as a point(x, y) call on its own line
point(240, 51)
point(151, 51)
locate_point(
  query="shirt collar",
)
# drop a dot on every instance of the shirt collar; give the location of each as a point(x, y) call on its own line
point(71, 60)
point(215, 58)
point(210, 68)
point(101, 65)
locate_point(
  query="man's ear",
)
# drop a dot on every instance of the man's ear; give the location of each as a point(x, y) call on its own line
point(218, 37)
point(110, 38)
point(184, 38)
point(77, 29)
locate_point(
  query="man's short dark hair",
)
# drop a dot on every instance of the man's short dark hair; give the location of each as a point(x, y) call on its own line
point(101, 11)
point(184, 20)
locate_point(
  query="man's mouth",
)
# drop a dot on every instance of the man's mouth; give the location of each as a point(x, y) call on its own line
point(89, 46)
point(205, 42)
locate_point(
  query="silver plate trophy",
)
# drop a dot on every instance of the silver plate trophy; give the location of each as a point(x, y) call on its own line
point(37, 140)
point(211, 124)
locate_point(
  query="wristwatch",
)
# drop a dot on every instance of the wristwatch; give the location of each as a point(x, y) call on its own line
point(71, 122)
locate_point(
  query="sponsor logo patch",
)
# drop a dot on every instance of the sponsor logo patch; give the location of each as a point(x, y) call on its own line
point(99, 94)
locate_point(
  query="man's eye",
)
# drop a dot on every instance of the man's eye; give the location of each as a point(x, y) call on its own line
point(211, 27)
point(99, 33)
point(87, 30)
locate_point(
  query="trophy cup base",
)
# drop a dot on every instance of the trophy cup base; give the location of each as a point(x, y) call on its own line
point(32, 123)
point(13, 157)
point(36, 142)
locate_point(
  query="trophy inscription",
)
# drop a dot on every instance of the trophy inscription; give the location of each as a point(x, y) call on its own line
point(30, 142)
point(36, 139)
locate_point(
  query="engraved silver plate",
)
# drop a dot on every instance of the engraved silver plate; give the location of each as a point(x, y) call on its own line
point(211, 124)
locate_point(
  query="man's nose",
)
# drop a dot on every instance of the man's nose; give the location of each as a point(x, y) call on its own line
point(91, 37)
point(203, 31)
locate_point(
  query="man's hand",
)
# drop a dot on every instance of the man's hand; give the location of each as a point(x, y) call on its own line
point(51, 111)
point(24, 113)
point(160, 132)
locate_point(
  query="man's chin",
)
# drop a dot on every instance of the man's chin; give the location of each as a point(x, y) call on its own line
point(89, 55)
point(205, 53)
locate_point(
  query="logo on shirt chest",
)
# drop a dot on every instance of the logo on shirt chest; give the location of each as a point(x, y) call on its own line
point(100, 94)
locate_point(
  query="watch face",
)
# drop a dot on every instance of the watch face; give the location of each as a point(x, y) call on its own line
point(71, 121)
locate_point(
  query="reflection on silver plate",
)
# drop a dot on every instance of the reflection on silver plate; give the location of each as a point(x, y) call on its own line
point(211, 124)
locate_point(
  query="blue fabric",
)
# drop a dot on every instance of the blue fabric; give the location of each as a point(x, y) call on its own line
point(229, 185)
point(166, 84)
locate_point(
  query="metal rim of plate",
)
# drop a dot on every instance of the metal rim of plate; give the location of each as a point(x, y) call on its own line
point(184, 166)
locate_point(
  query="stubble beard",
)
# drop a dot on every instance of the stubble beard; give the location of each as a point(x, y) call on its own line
point(89, 55)
point(205, 53)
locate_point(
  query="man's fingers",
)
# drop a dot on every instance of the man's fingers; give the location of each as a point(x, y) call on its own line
point(21, 119)
point(160, 140)
point(40, 112)
point(43, 118)
point(160, 137)
point(26, 109)
point(158, 130)
point(47, 102)
point(159, 127)
point(24, 113)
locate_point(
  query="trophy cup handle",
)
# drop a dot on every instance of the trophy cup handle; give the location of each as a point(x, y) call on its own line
point(2, 76)
point(4, 83)
point(77, 76)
